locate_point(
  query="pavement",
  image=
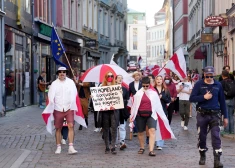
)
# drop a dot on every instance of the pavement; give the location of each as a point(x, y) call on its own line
point(25, 143)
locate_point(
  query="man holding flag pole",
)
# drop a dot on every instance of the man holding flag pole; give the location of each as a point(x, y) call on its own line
point(63, 101)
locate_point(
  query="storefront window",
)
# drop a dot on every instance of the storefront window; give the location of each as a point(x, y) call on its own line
point(76, 63)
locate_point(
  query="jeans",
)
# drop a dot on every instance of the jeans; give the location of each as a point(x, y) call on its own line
point(135, 130)
point(230, 108)
point(64, 132)
point(40, 98)
point(122, 131)
point(160, 143)
point(184, 108)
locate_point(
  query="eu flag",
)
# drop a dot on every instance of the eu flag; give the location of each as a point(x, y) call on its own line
point(57, 47)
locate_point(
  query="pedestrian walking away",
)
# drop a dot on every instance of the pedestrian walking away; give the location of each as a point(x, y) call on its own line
point(209, 95)
point(41, 88)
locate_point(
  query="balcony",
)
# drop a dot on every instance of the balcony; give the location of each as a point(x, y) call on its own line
point(104, 40)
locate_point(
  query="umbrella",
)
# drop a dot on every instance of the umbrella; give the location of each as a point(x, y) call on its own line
point(161, 71)
point(97, 73)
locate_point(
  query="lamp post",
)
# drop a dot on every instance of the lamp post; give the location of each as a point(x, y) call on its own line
point(219, 48)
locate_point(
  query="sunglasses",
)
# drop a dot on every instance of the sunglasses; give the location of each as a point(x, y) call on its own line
point(62, 71)
point(145, 86)
point(209, 76)
point(111, 76)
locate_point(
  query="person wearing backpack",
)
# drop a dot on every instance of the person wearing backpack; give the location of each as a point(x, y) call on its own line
point(229, 92)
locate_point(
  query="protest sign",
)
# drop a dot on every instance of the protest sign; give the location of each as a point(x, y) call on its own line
point(107, 97)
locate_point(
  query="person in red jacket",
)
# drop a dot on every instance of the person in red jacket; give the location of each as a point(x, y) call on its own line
point(172, 89)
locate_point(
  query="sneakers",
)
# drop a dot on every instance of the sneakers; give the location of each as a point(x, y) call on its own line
point(159, 148)
point(72, 151)
point(182, 123)
point(97, 130)
point(185, 128)
point(63, 142)
point(58, 150)
point(135, 134)
point(41, 107)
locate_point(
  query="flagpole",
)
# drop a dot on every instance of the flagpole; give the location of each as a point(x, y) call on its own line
point(69, 63)
point(162, 67)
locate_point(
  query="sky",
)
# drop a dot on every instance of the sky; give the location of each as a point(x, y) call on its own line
point(150, 7)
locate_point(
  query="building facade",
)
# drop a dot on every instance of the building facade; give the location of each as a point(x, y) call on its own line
point(198, 11)
point(180, 30)
point(2, 38)
point(112, 31)
point(156, 40)
point(136, 36)
point(167, 6)
point(18, 57)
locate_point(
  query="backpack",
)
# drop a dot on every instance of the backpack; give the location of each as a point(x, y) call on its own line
point(229, 88)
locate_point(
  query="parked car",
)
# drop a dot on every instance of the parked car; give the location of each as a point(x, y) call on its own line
point(132, 66)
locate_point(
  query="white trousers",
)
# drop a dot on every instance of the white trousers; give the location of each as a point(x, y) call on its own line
point(122, 131)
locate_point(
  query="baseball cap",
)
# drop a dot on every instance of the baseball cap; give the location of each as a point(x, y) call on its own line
point(209, 70)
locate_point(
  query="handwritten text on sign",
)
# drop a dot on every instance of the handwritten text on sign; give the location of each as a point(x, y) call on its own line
point(107, 97)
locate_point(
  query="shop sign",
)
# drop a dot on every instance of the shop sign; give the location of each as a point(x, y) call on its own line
point(90, 43)
point(206, 38)
point(70, 36)
point(214, 21)
point(45, 30)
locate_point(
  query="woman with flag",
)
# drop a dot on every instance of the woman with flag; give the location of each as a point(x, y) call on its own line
point(146, 109)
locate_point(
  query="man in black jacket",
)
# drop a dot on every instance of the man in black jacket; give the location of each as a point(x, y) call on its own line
point(133, 88)
point(226, 68)
point(124, 114)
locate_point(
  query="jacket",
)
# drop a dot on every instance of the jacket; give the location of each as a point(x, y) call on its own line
point(86, 87)
point(124, 113)
point(132, 90)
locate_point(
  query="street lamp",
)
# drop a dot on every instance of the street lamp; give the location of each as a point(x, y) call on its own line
point(219, 48)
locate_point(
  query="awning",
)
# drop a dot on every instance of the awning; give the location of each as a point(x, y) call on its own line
point(199, 55)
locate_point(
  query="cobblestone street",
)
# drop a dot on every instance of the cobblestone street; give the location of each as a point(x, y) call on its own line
point(25, 143)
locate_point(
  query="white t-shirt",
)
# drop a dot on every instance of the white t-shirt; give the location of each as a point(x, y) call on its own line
point(187, 87)
point(136, 85)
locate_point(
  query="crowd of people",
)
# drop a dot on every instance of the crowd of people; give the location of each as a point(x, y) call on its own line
point(150, 96)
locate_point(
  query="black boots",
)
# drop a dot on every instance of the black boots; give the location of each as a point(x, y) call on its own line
point(217, 163)
point(202, 160)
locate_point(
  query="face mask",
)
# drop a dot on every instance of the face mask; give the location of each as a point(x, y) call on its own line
point(167, 81)
point(109, 79)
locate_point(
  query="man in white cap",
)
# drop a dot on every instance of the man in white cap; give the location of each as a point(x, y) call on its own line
point(60, 93)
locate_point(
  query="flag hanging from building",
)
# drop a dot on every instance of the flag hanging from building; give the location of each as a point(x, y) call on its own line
point(139, 61)
point(57, 48)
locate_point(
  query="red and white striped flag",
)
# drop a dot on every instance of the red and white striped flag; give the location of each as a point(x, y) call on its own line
point(177, 64)
point(47, 114)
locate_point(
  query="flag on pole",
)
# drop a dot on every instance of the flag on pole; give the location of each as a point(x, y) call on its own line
point(57, 48)
point(177, 64)
point(139, 61)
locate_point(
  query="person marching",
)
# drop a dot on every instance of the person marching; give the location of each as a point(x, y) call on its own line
point(84, 95)
point(209, 95)
point(63, 100)
point(110, 118)
point(184, 89)
point(133, 88)
point(146, 109)
point(124, 114)
point(165, 98)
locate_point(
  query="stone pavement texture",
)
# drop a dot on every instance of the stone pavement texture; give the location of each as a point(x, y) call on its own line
point(24, 143)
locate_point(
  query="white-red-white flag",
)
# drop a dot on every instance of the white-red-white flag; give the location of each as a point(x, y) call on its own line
point(76, 107)
point(177, 64)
